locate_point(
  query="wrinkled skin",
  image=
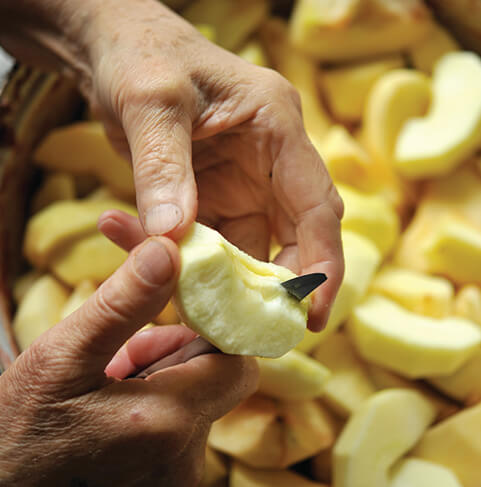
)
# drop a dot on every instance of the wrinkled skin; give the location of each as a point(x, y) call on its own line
point(64, 422)
point(209, 137)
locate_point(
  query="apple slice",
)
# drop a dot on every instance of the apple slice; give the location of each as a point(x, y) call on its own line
point(235, 301)
point(292, 376)
point(92, 258)
point(370, 216)
point(383, 429)
point(243, 476)
point(351, 29)
point(417, 292)
point(83, 148)
point(347, 88)
point(61, 223)
point(362, 258)
point(456, 444)
point(413, 472)
point(267, 433)
point(396, 96)
point(39, 310)
point(349, 384)
point(451, 131)
point(413, 345)
point(454, 250)
point(346, 160)
point(385, 379)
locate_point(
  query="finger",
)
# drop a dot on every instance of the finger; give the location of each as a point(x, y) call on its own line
point(123, 229)
point(146, 347)
point(161, 147)
point(249, 233)
point(209, 385)
point(131, 297)
point(307, 195)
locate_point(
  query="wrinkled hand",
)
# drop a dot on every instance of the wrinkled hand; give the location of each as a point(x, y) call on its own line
point(213, 136)
point(209, 135)
point(64, 422)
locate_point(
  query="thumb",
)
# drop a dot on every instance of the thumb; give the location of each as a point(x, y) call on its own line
point(85, 342)
point(161, 148)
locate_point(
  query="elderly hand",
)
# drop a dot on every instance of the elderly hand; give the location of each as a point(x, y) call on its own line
point(64, 423)
point(209, 135)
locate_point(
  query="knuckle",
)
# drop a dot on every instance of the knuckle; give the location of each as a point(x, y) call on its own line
point(167, 92)
point(336, 202)
point(285, 90)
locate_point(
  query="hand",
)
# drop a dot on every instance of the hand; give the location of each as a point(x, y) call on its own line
point(213, 136)
point(209, 135)
point(63, 422)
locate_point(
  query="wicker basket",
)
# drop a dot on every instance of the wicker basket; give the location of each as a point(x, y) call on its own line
point(31, 103)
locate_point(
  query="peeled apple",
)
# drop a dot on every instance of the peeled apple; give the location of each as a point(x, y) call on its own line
point(235, 301)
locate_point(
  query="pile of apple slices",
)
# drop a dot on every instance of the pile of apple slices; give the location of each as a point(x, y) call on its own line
point(389, 395)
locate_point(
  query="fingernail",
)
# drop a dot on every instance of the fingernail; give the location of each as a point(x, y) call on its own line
point(152, 263)
point(162, 218)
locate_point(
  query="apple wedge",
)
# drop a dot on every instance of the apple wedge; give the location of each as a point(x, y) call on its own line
point(243, 476)
point(454, 250)
point(435, 144)
point(368, 28)
point(456, 444)
point(370, 216)
point(93, 258)
point(83, 148)
point(385, 379)
point(63, 222)
point(266, 433)
point(349, 384)
point(346, 88)
point(39, 310)
point(420, 293)
point(292, 376)
point(413, 472)
point(382, 430)
point(396, 96)
point(346, 160)
point(235, 301)
point(362, 258)
point(455, 196)
point(413, 345)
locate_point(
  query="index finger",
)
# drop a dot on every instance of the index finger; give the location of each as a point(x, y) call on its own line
point(313, 209)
